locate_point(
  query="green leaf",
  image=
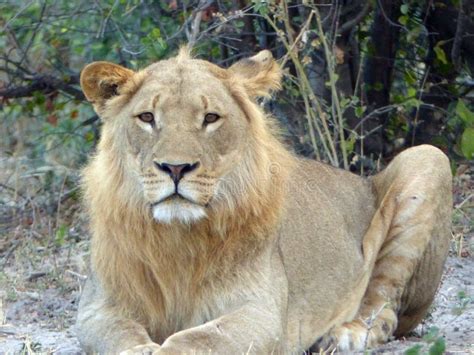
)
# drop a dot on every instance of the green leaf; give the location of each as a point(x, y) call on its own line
point(261, 7)
point(404, 9)
point(60, 235)
point(467, 143)
point(345, 101)
point(414, 350)
point(355, 100)
point(438, 348)
point(414, 33)
point(359, 111)
point(398, 99)
point(89, 137)
point(411, 92)
point(412, 103)
point(155, 33)
point(440, 54)
point(432, 335)
point(409, 78)
point(350, 143)
point(464, 113)
point(403, 20)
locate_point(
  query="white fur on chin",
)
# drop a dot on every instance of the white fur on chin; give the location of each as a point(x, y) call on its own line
point(178, 212)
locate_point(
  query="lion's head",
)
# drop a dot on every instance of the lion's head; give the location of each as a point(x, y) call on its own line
point(186, 135)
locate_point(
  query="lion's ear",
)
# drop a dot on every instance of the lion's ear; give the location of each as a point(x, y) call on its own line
point(259, 74)
point(102, 80)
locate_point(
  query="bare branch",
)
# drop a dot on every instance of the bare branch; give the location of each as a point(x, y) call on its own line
point(196, 22)
point(349, 25)
point(32, 39)
point(46, 84)
point(17, 14)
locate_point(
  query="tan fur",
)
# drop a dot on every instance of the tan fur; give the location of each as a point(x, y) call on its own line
point(289, 251)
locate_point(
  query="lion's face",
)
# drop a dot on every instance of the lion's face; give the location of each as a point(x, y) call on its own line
point(182, 132)
point(185, 131)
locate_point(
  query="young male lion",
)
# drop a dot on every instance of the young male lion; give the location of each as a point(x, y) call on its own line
point(208, 235)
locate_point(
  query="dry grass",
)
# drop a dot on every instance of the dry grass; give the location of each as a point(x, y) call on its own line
point(463, 214)
point(43, 248)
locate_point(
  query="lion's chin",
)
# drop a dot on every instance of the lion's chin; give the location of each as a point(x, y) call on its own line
point(178, 212)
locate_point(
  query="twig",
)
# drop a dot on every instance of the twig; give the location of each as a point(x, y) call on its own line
point(415, 121)
point(79, 276)
point(58, 208)
point(349, 25)
point(388, 19)
point(238, 14)
point(378, 111)
point(294, 59)
point(9, 253)
point(459, 205)
point(335, 96)
point(312, 105)
point(46, 84)
point(35, 275)
point(89, 121)
point(17, 14)
point(370, 323)
point(297, 40)
point(25, 58)
point(6, 187)
point(103, 24)
point(196, 22)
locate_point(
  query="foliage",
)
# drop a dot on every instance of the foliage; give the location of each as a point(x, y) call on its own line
point(463, 301)
point(466, 117)
point(433, 341)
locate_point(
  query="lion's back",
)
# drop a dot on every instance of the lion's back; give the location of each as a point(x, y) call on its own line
point(320, 194)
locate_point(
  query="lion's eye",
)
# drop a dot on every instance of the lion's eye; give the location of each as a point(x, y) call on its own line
point(146, 117)
point(211, 118)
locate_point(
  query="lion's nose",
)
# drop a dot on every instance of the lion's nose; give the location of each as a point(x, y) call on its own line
point(176, 171)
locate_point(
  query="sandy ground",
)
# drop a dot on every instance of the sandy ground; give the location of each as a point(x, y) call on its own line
point(44, 252)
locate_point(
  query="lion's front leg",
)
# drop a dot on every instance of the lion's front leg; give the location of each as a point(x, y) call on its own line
point(101, 329)
point(256, 326)
point(250, 329)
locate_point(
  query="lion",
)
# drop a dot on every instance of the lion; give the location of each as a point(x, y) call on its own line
point(210, 236)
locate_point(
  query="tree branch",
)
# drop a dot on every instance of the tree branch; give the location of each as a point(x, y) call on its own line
point(45, 83)
point(346, 27)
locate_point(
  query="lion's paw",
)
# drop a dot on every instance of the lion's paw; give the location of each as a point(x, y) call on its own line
point(347, 337)
point(144, 349)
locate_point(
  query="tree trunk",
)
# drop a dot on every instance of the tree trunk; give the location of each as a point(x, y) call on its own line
point(378, 69)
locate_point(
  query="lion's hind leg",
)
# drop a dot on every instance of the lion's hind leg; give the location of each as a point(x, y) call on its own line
point(410, 262)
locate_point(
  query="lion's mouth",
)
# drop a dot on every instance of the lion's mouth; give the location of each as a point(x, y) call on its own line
point(177, 208)
point(172, 198)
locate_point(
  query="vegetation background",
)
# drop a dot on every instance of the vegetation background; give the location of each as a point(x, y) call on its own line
point(364, 79)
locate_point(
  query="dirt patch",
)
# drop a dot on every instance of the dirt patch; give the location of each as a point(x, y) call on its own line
point(452, 313)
